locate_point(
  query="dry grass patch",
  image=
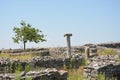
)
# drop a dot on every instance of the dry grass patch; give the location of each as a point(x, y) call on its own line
point(106, 51)
point(75, 74)
point(20, 57)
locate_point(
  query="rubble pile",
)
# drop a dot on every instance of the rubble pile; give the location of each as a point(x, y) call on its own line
point(107, 65)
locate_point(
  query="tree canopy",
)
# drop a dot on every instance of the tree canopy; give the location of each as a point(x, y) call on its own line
point(27, 33)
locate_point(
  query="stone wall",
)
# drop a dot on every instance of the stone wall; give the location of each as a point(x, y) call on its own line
point(43, 51)
point(36, 51)
point(59, 50)
point(107, 65)
point(9, 65)
point(21, 50)
point(47, 74)
point(74, 62)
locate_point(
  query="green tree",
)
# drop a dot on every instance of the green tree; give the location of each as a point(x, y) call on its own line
point(27, 33)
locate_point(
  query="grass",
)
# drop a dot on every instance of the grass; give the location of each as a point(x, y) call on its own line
point(107, 52)
point(20, 57)
point(101, 77)
point(75, 74)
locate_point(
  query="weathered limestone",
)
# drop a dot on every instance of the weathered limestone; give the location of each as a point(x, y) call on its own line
point(47, 74)
point(90, 51)
point(61, 51)
point(18, 52)
point(50, 62)
point(87, 52)
point(54, 52)
point(10, 66)
point(68, 44)
point(107, 65)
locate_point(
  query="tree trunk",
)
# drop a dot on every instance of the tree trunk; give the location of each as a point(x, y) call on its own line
point(24, 45)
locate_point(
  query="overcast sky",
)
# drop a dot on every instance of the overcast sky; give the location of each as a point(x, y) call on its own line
point(90, 21)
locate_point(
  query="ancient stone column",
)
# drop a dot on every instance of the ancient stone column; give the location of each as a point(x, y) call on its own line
point(68, 44)
point(87, 52)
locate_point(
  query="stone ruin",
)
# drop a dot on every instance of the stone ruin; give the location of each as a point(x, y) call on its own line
point(35, 51)
point(106, 65)
point(58, 51)
point(68, 44)
point(9, 65)
point(90, 51)
point(47, 74)
point(74, 62)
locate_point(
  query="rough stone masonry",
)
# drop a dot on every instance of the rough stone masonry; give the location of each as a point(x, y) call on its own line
point(106, 65)
point(9, 65)
point(47, 74)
